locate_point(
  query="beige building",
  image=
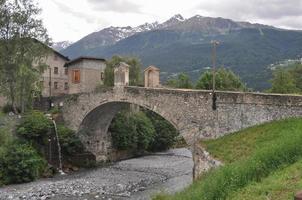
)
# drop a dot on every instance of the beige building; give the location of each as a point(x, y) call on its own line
point(151, 75)
point(85, 74)
point(54, 80)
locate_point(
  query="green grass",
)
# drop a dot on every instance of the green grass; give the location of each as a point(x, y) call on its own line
point(280, 185)
point(243, 144)
point(251, 155)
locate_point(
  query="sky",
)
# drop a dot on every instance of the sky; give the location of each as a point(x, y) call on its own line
point(71, 20)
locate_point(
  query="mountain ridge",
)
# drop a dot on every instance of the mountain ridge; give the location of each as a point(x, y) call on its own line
point(184, 45)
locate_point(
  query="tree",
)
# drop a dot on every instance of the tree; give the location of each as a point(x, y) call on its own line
point(134, 71)
point(283, 82)
point(132, 131)
point(21, 51)
point(182, 81)
point(225, 79)
point(166, 134)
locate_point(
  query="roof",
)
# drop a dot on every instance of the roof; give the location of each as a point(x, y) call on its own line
point(50, 48)
point(79, 59)
point(151, 68)
point(59, 54)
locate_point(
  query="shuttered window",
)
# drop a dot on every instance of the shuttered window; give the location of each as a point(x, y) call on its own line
point(76, 78)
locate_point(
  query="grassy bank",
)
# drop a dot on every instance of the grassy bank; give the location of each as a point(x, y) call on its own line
point(280, 185)
point(251, 155)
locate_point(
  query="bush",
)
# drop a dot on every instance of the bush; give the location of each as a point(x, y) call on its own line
point(70, 143)
point(20, 163)
point(34, 125)
point(132, 131)
point(165, 133)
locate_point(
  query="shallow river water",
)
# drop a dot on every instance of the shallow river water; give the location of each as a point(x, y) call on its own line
point(138, 178)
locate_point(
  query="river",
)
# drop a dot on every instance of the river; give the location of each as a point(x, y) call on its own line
point(137, 178)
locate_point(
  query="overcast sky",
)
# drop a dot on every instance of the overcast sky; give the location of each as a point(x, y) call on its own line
point(73, 19)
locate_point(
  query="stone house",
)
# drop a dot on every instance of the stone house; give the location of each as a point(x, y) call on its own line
point(54, 79)
point(85, 74)
point(151, 75)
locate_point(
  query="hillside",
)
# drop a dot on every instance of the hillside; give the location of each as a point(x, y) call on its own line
point(262, 162)
point(183, 45)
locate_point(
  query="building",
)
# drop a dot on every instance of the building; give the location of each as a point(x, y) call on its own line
point(85, 74)
point(54, 79)
point(151, 75)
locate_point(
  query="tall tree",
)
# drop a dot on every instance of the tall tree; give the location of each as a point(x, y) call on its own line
point(181, 81)
point(134, 71)
point(21, 50)
point(283, 82)
point(225, 79)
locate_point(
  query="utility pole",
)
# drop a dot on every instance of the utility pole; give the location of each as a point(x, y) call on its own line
point(50, 101)
point(215, 44)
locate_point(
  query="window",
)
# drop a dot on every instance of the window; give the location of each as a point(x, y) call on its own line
point(102, 75)
point(55, 85)
point(76, 76)
point(66, 71)
point(56, 70)
point(66, 86)
point(56, 57)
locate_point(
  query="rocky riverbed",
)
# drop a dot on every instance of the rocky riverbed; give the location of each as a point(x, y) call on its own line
point(137, 178)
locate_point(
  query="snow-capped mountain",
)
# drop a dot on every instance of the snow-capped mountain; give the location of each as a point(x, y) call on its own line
point(59, 46)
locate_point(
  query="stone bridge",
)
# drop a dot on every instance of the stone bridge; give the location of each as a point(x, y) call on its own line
point(189, 111)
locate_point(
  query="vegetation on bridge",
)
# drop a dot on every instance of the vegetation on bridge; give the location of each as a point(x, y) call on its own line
point(253, 157)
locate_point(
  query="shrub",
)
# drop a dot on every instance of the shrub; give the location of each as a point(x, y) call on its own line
point(70, 143)
point(34, 125)
point(132, 131)
point(123, 132)
point(8, 108)
point(20, 163)
point(165, 133)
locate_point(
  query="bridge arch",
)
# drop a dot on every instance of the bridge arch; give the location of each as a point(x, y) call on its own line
point(94, 132)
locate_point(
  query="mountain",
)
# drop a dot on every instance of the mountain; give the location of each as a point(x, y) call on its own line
point(184, 45)
point(59, 46)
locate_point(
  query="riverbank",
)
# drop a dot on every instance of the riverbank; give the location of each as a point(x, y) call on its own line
point(137, 178)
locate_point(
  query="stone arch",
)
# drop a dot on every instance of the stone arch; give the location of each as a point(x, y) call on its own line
point(93, 130)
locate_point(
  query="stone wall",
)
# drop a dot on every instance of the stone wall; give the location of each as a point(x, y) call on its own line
point(53, 60)
point(90, 75)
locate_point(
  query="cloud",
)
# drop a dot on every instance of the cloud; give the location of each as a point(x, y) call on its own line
point(122, 6)
point(270, 10)
point(66, 9)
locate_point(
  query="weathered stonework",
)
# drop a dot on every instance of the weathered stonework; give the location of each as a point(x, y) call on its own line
point(190, 111)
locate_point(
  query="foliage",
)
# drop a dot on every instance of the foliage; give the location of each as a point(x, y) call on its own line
point(165, 133)
point(21, 34)
point(70, 143)
point(287, 80)
point(280, 185)
point(225, 79)
point(182, 81)
point(20, 163)
point(34, 125)
point(132, 131)
point(266, 158)
point(134, 71)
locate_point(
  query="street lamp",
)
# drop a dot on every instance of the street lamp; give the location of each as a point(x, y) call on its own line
point(214, 45)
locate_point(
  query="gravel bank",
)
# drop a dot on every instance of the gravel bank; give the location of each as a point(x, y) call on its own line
point(137, 178)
